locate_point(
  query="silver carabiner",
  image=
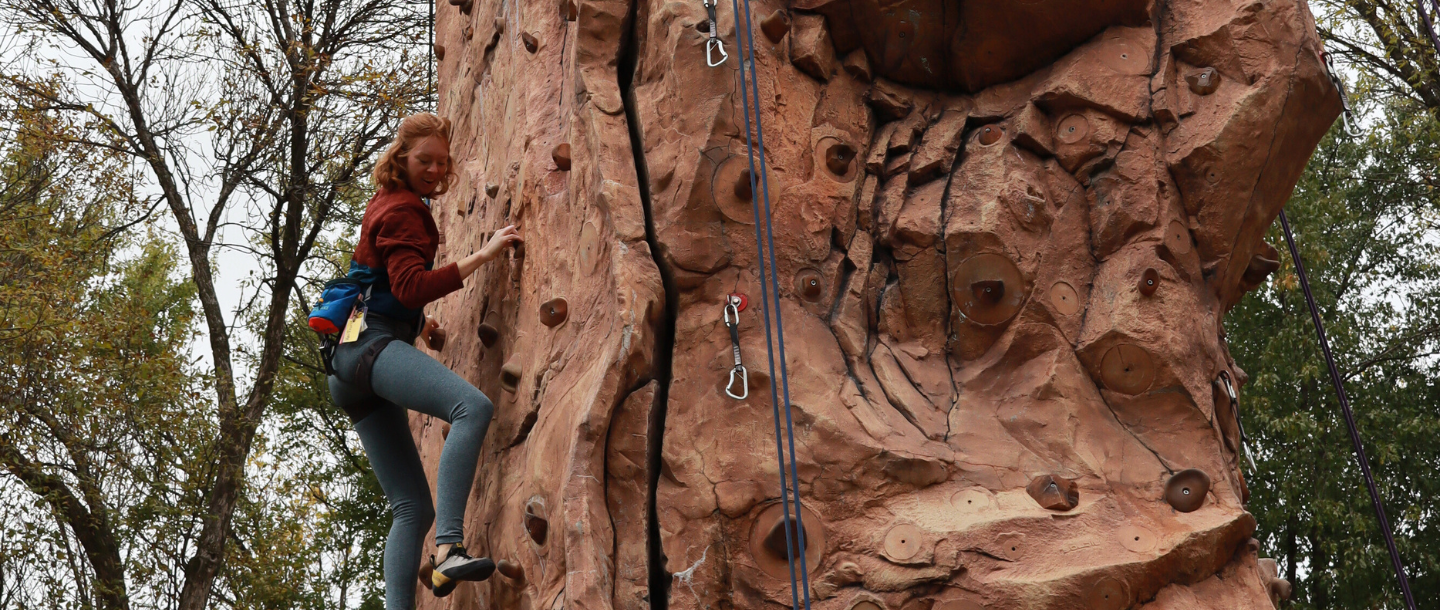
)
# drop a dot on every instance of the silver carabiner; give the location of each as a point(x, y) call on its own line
point(713, 45)
point(1235, 406)
point(744, 383)
point(1346, 115)
point(732, 312)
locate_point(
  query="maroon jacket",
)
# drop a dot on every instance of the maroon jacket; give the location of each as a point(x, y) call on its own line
point(399, 235)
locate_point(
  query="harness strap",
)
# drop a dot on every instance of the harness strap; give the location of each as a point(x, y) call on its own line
point(366, 363)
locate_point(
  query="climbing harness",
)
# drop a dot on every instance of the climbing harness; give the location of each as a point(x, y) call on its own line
point(1349, 415)
point(1347, 118)
point(1235, 408)
point(795, 539)
point(714, 44)
point(732, 320)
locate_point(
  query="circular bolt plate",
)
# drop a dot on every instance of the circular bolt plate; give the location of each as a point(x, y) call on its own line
point(730, 188)
point(809, 285)
point(902, 542)
point(554, 312)
point(1124, 58)
point(1177, 238)
point(1064, 298)
point(1107, 594)
point(989, 288)
point(972, 501)
point(1186, 490)
point(1072, 129)
point(1127, 369)
point(589, 248)
point(1137, 539)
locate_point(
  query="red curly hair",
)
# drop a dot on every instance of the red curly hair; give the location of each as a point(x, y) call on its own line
point(390, 169)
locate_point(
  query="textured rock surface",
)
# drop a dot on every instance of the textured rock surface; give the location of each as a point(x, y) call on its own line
point(1007, 235)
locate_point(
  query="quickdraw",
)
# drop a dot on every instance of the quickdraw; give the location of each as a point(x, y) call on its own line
point(714, 44)
point(1235, 407)
point(732, 321)
point(1347, 117)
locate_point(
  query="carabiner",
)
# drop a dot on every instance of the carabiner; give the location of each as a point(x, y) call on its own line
point(744, 383)
point(714, 44)
point(1235, 406)
point(1346, 115)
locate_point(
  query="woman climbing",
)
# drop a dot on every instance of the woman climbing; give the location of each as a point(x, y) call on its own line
point(380, 374)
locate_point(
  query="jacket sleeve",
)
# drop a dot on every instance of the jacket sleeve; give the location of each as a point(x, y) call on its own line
point(399, 240)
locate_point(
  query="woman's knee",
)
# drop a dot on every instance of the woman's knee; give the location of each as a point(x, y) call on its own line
point(474, 404)
point(416, 512)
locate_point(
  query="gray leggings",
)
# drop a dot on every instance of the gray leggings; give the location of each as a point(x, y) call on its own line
point(404, 378)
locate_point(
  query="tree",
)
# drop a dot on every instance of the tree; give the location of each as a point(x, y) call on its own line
point(1394, 43)
point(289, 101)
point(1365, 217)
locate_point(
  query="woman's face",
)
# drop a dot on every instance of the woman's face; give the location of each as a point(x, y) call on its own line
point(427, 164)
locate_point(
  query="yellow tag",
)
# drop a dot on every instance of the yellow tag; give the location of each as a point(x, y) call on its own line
point(354, 326)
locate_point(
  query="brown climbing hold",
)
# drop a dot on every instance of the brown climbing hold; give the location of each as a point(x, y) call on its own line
point(569, 10)
point(840, 158)
point(488, 334)
point(902, 542)
point(425, 573)
point(743, 190)
point(1064, 298)
point(808, 285)
point(531, 43)
point(554, 312)
point(535, 523)
point(511, 570)
point(990, 134)
point(1149, 281)
point(856, 64)
point(989, 288)
point(510, 374)
point(1054, 493)
point(491, 190)
point(1177, 238)
point(776, 26)
point(1072, 129)
point(466, 6)
point(561, 155)
point(866, 605)
point(1186, 490)
point(769, 553)
point(775, 541)
point(1204, 82)
point(1127, 369)
point(439, 52)
point(1259, 268)
point(469, 32)
point(445, 431)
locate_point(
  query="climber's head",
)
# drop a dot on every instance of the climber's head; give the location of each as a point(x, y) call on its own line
point(419, 158)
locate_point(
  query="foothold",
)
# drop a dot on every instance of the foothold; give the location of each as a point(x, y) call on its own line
point(1259, 269)
point(866, 605)
point(1204, 82)
point(589, 255)
point(531, 43)
point(990, 134)
point(491, 190)
point(776, 26)
point(1127, 368)
point(1177, 238)
point(972, 501)
point(902, 542)
point(499, 25)
point(1149, 281)
point(989, 288)
point(510, 374)
point(466, 6)
point(488, 334)
point(569, 10)
point(957, 604)
point(856, 64)
point(840, 159)
point(744, 191)
point(1072, 129)
point(535, 523)
point(445, 431)
point(561, 155)
point(511, 570)
point(469, 32)
point(439, 52)
point(1064, 298)
point(1137, 539)
point(1054, 493)
point(771, 557)
point(730, 189)
point(808, 285)
point(1186, 490)
point(776, 543)
point(554, 312)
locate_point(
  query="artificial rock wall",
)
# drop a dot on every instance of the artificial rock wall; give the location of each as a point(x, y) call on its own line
point(1007, 234)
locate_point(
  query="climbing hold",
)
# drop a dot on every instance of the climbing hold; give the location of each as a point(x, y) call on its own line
point(511, 570)
point(769, 555)
point(730, 189)
point(535, 523)
point(510, 374)
point(1177, 238)
point(561, 155)
point(866, 605)
point(1108, 594)
point(554, 312)
point(1064, 298)
point(531, 43)
point(439, 52)
point(972, 501)
point(744, 191)
point(491, 190)
point(589, 248)
point(1259, 268)
point(488, 334)
point(1204, 82)
point(856, 64)
point(703, 26)
point(1137, 539)
point(989, 288)
point(1127, 368)
point(957, 604)
point(569, 10)
point(1149, 281)
point(902, 542)
point(990, 134)
point(426, 571)
point(776, 26)
point(1054, 493)
point(466, 6)
point(774, 541)
point(808, 285)
point(1186, 490)
point(445, 431)
point(1072, 129)
point(469, 32)
point(839, 158)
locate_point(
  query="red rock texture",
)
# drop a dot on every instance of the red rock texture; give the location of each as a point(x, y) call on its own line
point(1007, 234)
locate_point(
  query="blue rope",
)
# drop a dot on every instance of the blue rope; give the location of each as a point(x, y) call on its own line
point(748, 58)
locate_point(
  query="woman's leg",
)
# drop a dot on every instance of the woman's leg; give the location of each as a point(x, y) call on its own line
point(407, 377)
point(385, 434)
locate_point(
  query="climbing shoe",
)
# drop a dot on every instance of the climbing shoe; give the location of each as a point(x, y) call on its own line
point(458, 566)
